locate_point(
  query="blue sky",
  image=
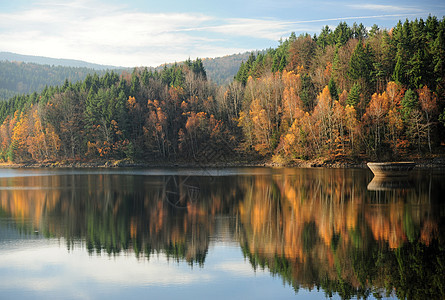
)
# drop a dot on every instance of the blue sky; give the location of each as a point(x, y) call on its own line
point(149, 33)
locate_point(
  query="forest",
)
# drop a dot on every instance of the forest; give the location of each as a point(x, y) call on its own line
point(346, 93)
point(18, 78)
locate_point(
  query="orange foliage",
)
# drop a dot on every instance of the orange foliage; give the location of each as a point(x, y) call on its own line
point(427, 100)
point(291, 98)
point(378, 107)
point(261, 128)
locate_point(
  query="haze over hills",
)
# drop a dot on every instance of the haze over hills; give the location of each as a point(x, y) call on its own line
point(18, 78)
point(21, 74)
point(8, 56)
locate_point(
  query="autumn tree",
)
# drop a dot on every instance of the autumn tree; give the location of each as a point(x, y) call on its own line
point(291, 100)
point(394, 118)
point(301, 53)
point(428, 104)
point(323, 118)
point(155, 129)
point(375, 116)
point(229, 101)
point(64, 112)
point(43, 142)
point(297, 141)
point(20, 132)
point(262, 128)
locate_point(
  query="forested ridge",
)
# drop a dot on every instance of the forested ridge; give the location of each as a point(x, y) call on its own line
point(222, 69)
point(219, 70)
point(18, 78)
point(344, 93)
point(21, 74)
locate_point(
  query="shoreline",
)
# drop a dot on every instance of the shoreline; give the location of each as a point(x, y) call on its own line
point(435, 163)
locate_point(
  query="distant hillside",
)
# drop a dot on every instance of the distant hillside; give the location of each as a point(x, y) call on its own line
point(221, 70)
point(24, 78)
point(24, 74)
point(8, 56)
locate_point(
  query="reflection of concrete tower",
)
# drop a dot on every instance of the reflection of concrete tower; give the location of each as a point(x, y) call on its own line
point(379, 183)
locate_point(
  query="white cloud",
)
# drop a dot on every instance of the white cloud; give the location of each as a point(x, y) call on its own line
point(105, 33)
point(43, 265)
point(235, 269)
point(116, 35)
point(260, 28)
point(384, 8)
point(49, 267)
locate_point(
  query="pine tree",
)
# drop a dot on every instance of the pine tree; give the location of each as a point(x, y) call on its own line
point(333, 89)
point(354, 95)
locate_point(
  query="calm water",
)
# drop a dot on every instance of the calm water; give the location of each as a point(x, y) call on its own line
point(252, 233)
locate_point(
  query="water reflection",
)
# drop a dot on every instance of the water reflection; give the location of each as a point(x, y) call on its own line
point(331, 229)
point(391, 183)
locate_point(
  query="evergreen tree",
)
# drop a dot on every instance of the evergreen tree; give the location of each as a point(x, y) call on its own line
point(325, 38)
point(342, 33)
point(354, 95)
point(361, 66)
point(333, 89)
point(409, 103)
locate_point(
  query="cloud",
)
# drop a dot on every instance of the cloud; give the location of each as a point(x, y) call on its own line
point(235, 269)
point(116, 34)
point(49, 267)
point(260, 28)
point(110, 34)
point(384, 8)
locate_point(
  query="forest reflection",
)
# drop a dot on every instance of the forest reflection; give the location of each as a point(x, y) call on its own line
point(338, 229)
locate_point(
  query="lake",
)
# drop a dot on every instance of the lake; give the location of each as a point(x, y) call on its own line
point(233, 233)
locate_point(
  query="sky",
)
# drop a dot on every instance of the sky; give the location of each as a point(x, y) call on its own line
point(149, 33)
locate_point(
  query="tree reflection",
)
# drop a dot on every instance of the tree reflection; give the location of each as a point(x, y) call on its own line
point(313, 228)
point(114, 213)
point(321, 229)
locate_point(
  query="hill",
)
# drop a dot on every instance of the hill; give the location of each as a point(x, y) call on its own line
point(222, 70)
point(24, 74)
point(8, 56)
point(24, 78)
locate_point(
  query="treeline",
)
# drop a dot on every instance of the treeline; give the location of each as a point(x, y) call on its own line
point(346, 93)
point(18, 78)
point(142, 115)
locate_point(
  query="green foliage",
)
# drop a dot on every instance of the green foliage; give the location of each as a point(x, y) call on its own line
point(399, 73)
point(360, 65)
point(333, 88)
point(325, 38)
point(246, 69)
point(18, 78)
point(354, 95)
point(409, 103)
point(342, 33)
point(307, 92)
point(197, 67)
